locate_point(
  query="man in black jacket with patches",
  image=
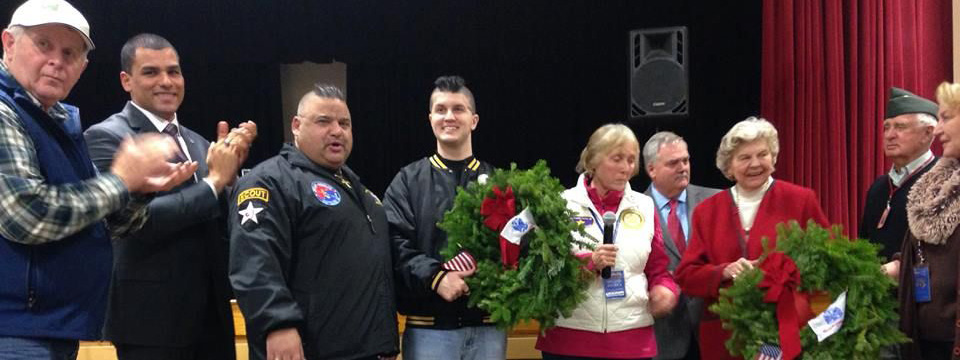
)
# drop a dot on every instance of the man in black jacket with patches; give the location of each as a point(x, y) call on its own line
point(310, 259)
point(439, 323)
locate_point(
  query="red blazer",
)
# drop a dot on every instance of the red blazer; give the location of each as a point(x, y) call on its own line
point(715, 242)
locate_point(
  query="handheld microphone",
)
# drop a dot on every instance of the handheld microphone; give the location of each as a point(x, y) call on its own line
point(609, 221)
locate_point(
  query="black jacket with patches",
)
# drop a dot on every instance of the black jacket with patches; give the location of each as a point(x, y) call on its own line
point(311, 251)
point(415, 202)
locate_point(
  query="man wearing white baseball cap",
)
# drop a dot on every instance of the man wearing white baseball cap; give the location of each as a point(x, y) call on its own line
point(40, 12)
point(52, 26)
point(55, 250)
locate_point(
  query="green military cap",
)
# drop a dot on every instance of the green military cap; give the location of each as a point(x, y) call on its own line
point(905, 102)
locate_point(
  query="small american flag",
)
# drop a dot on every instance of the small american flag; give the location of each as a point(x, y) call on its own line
point(462, 262)
point(769, 352)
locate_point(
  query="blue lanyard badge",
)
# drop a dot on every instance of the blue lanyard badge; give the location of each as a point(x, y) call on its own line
point(921, 283)
point(614, 287)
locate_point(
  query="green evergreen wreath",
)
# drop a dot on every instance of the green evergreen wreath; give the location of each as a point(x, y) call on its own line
point(827, 261)
point(549, 280)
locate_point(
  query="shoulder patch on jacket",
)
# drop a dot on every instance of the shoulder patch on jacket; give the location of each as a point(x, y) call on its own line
point(249, 214)
point(326, 193)
point(258, 193)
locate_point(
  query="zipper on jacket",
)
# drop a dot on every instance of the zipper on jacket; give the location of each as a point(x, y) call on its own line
point(604, 322)
point(370, 222)
point(31, 292)
point(358, 195)
point(31, 298)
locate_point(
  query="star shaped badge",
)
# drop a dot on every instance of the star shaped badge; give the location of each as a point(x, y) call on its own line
point(250, 213)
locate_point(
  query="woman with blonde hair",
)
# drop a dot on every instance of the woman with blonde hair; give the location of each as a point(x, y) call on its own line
point(616, 319)
point(929, 272)
point(727, 228)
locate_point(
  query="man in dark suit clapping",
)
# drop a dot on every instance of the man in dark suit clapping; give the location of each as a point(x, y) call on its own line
point(169, 296)
point(667, 161)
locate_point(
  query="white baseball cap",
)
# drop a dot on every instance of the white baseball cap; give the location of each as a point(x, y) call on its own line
point(39, 12)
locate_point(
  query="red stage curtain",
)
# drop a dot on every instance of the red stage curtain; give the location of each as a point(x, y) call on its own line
point(827, 67)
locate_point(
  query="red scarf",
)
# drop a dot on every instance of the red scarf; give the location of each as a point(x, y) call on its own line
point(609, 202)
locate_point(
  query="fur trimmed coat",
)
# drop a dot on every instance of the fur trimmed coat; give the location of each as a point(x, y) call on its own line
point(933, 211)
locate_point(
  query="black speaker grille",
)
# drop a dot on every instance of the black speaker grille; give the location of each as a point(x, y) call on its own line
point(658, 72)
point(659, 86)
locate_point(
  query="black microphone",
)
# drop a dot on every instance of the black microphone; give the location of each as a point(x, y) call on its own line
point(609, 221)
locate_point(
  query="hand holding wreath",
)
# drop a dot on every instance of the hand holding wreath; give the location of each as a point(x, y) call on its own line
point(820, 262)
point(544, 280)
point(453, 286)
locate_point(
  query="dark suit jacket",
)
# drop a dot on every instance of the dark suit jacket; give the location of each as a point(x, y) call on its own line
point(674, 330)
point(169, 285)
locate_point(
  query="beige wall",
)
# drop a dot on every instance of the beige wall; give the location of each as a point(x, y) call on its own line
point(297, 79)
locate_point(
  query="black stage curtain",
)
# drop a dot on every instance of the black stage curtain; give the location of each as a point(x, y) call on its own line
point(545, 73)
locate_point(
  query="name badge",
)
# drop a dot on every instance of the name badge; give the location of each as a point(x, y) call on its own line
point(614, 287)
point(921, 283)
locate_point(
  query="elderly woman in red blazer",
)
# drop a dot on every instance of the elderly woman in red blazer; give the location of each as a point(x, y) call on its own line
point(727, 228)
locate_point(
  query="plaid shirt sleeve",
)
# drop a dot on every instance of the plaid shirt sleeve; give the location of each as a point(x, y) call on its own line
point(35, 212)
point(128, 220)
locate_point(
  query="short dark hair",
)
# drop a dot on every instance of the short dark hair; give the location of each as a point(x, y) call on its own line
point(453, 84)
point(144, 40)
point(329, 91)
point(321, 90)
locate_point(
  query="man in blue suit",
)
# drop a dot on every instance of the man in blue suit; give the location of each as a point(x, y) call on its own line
point(170, 296)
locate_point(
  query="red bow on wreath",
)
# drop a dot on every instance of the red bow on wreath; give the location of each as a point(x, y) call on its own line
point(497, 211)
point(781, 279)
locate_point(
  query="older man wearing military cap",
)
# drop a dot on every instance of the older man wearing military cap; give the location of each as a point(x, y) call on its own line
point(907, 135)
point(55, 250)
